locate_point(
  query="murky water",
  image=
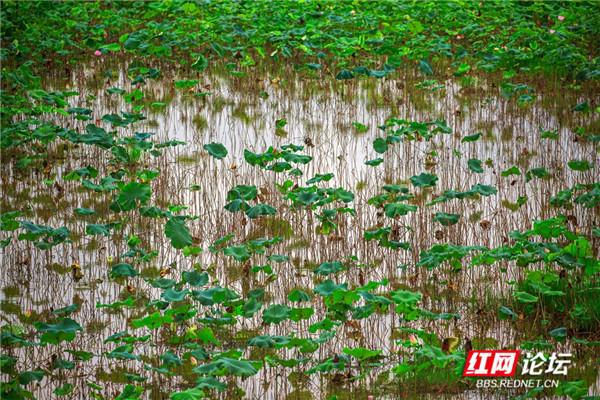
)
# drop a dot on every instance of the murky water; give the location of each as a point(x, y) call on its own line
point(242, 114)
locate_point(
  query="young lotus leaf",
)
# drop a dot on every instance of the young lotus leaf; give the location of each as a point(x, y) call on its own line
point(524, 297)
point(207, 336)
point(98, 229)
point(268, 341)
point(195, 278)
point(200, 64)
point(380, 145)
point(152, 321)
point(66, 310)
point(344, 74)
point(278, 258)
point(505, 312)
point(260, 210)
point(63, 390)
point(189, 251)
point(133, 195)
point(122, 270)
point(172, 295)
point(320, 178)
point(130, 392)
point(307, 198)
point(297, 158)
point(361, 353)
point(186, 83)
point(559, 334)
point(374, 162)
point(243, 192)
point(471, 138)
point(484, 190)
point(327, 268)
point(217, 150)
point(209, 382)
point(84, 211)
point(514, 170)
point(446, 219)
point(177, 231)
point(298, 296)
point(579, 165)
point(406, 297)
point(226, 365)
point(539, 172)
point(394, 210)
point(64, 330)
point(240, 253)
point(123, 353)
point(328, 287)
point(424, 180)
point(26, 377)
point(298, 314)
point(425, 67)
point(236, 205)
point(475, 165)
point(189, 394)
point(276, 313)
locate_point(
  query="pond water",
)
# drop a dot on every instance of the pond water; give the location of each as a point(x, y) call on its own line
point(336, 122)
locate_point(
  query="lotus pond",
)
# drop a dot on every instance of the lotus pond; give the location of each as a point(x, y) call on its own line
point(297, 200)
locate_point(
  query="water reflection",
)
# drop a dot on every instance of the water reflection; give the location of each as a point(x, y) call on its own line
point(242, 114)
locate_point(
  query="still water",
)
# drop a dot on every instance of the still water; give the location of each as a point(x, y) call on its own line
point(243, 113)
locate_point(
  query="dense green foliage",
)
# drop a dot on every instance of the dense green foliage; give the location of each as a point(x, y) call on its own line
point(191, 316)
point(346, 38)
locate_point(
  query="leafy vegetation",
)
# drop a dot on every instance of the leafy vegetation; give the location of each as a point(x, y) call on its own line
point(144, 266)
